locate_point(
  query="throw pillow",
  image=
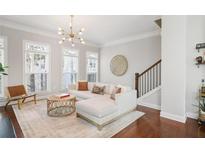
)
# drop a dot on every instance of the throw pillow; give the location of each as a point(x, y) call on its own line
point(82, 85)
point(98, 90)
point(115, 91)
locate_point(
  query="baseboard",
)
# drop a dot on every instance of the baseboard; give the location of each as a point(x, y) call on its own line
point(192, 115)
point(173, 117)
point(153, 106)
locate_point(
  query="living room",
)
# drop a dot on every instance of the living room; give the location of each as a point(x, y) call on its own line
point(42, 61)
point(85, 75)
point(64, 64)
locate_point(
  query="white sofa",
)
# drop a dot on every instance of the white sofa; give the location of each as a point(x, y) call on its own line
point(101, 109)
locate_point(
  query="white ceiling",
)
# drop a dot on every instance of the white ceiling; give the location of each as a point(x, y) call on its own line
point(99, 29)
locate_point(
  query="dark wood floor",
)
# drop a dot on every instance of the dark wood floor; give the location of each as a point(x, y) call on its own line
point(150, 125)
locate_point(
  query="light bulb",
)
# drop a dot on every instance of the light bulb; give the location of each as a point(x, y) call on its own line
point(81, 39)
point(60, 33)
point(63, 38)
point(70, 39)
point(80, 33)
point(82, 29)
point(60, 29)
point(60, 42)
point(83, 42)
point(72, 44)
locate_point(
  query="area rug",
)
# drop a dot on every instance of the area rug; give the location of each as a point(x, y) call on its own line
point(35, 123)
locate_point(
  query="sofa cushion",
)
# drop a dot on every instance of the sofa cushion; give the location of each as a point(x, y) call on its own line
point(116, 90)
point(83, 85)
point(90, 85)
point(83, 94)
point(98, 90)
point(107, 87)
point(98, 107)
point(124, 89)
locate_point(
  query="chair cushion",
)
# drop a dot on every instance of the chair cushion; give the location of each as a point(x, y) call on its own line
point(98, 107)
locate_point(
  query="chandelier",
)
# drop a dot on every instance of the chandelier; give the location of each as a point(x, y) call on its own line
point(70, 35)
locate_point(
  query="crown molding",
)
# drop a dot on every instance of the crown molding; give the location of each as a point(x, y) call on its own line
point(132, 38)
point(25, 28)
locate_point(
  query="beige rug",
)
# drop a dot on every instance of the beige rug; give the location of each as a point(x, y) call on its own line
point(35, 123)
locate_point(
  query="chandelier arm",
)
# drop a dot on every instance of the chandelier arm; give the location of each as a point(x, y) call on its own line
point(71, 24)
point(70, 35)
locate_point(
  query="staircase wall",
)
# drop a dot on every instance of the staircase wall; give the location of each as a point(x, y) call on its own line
point(140, 54)
point(152, 99)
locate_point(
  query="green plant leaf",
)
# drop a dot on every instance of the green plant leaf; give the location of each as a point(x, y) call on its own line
point(2, 69)
point(4, 73)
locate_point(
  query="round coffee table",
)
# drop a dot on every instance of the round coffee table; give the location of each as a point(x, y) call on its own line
point(58, 107)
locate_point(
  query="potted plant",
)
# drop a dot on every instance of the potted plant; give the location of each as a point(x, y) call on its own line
point(2, 69)
point(202, 110)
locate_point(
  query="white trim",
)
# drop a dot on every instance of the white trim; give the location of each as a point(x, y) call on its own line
point(153, 106)
point(97, 73)
point(5, 62)
point(173, 117)
point(192, 115)
point(132, 38)
point(49, 63)
point(25, 28)
point(62, 64)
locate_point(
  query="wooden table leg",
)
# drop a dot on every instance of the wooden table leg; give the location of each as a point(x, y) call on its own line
point(34, 99)
point(19, 104)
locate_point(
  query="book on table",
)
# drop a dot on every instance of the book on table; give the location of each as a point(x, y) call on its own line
point(63, 95)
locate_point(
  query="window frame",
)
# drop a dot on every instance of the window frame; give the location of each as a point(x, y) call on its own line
point(5, 63)
point(97, 57)
point(49, 66)
point(62, 65)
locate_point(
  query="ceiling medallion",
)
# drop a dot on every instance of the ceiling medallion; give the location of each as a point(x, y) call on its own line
point(70, 35)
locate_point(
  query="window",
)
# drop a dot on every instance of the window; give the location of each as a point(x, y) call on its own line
point(2, 52)
point(36, 66)
point(92, 67)
point(70, 67)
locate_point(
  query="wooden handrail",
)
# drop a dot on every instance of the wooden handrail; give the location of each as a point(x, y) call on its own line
point(148, 79)
point(150, 67)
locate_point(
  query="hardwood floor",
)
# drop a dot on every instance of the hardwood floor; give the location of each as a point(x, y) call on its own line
point(150, 125)
point(6, 128)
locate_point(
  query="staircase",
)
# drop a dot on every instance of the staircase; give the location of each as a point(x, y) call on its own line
point(148, 80)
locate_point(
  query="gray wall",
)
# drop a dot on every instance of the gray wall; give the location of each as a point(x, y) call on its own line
point(140, 55)
point(15, 55)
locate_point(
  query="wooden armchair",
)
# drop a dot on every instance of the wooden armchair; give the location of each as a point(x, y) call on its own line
point(18, 93)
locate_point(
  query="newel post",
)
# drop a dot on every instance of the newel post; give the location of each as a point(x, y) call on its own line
point(136, 83)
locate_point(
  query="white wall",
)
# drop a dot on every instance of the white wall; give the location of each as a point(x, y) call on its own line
point(152, 99)
point(195, 34)
point(140, 55)
point(173, 88)
point(15, 55)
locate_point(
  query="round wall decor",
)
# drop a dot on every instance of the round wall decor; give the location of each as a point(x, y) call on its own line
point(119, 65)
